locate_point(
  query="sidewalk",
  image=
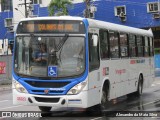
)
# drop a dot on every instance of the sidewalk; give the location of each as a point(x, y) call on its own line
point(157, 79)
point(5, 87)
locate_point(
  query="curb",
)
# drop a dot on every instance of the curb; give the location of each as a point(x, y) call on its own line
point(5, 87)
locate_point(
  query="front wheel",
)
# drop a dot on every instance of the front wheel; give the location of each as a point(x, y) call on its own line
point(100, 108)
point(44, 108)
point(104, 99)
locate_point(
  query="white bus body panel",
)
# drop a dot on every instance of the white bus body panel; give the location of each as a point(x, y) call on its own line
point(82, 96)
point(87, 98)
point(122, 75)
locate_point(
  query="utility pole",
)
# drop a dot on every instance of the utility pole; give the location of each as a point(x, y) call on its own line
point(158, 6)
point(87, 11)
point(25, 5)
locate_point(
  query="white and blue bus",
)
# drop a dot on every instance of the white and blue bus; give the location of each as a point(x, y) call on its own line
point(78, 62)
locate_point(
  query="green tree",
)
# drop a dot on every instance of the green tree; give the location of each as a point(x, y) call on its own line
point(2, 1)
point(59, 7)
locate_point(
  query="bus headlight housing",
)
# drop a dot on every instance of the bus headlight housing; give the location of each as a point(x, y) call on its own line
point(19, 87)
point(77, 88)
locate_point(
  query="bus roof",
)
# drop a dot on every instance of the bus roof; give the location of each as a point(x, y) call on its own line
point(55, 18)
point(120, 28)
point(99, 24)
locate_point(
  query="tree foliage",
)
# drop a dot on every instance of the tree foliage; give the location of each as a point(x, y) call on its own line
point(58, 7)
point(2, 1)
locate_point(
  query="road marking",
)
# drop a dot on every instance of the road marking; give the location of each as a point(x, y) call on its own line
point(144, 104)
point(4, 101)
point(2, 118)
point(155, 117)
point(10, 107)
point(132, 108)
point(96, 118)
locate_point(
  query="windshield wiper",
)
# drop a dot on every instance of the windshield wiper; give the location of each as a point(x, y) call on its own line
point(64, 39)
point(53, 53)
point(58, 47)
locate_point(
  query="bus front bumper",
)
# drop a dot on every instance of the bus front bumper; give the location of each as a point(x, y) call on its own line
point(77, 101)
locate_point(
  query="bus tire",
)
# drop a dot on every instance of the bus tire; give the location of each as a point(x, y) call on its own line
point(44, 108)
point(104, 98)
point(139, 91)
point(100, 108)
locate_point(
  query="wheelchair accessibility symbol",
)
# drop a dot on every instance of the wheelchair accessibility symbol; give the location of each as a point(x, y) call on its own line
point(52, 71)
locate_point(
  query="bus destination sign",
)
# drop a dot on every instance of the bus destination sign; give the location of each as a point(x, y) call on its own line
point(54, 27)
point(48, 26)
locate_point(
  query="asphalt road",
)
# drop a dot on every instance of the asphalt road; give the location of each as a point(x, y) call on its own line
point(149, 102)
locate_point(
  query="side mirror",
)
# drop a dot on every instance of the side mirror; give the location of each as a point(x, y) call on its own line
point(95, 40)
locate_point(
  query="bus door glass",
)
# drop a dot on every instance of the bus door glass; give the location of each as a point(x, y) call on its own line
point(94, 64)
point(93, 52)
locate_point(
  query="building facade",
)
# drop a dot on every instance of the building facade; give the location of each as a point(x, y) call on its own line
point(6, 29)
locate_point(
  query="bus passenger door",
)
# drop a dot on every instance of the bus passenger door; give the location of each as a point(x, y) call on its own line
point(94, 73)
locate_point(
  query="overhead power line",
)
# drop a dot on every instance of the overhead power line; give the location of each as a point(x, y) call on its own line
point(26, 5)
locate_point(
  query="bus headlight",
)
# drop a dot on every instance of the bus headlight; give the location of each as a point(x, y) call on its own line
point(19, 87)
point(77, 88)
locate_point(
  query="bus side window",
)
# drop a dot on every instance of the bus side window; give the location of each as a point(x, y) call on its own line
point(151, 46)
point(104, 51)
point(140, 46)
point(123, 45)
point(114, 47)
point(93, 54)
point(146, 47)
point(132, 45)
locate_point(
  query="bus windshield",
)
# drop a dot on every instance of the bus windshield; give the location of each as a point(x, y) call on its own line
point(34, 54)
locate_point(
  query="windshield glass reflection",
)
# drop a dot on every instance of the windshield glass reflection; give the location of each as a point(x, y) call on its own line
point(35, 54)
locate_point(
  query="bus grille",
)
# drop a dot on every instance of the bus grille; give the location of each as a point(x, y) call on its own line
point(50, 100)
point(51, 92)
point(47, 84)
